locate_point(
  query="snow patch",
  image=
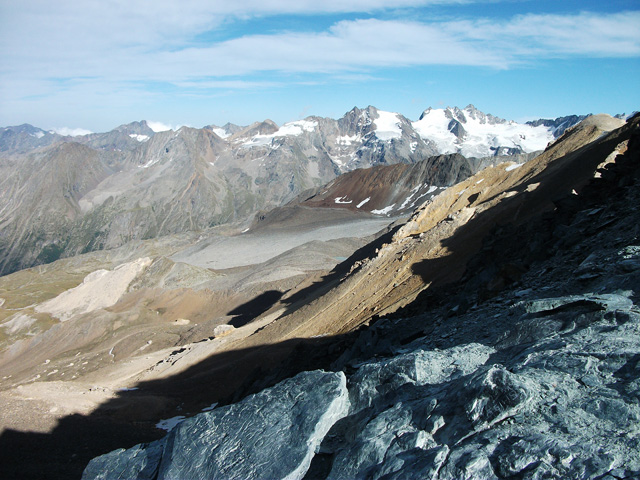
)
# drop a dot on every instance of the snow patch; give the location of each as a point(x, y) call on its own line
point(140, 138)
point(387, 126)
point(346, 140)
point(363, 202)
point(170, 423)
point(513, 167)
point(342, 200)
point(383, 211)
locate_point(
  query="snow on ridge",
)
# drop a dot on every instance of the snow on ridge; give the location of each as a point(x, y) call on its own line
point(288, 129)
point(387, 126)
point(481, 134)
point(220, 132)
point(383, 211)
point(434, 126)
point(140, 138)
point(296, 128)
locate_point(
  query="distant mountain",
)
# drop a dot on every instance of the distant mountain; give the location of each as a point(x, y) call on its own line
point(65, 195)
point(475, 134)
point(559, 125)
point(24, 138)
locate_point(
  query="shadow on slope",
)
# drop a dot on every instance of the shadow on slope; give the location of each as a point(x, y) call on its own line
point(130, 418)
point(227, 376)
point(252, 309)
point(327, 282)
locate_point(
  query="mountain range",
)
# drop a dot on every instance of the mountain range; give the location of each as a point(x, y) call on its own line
point(61, 196)
point(449, 317)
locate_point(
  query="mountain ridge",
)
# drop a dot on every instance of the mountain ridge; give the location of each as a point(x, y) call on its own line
point(431, 320)
point(158, 183)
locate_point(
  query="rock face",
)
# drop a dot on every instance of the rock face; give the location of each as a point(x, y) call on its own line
point(273, 434)
point(548, 401)
point(527, 366)
point(395, 190)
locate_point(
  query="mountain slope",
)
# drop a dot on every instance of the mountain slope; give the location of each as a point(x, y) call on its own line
point(138, 184)
point(524, 366)
point(288, 314)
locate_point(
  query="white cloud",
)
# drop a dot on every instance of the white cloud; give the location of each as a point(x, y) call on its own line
point(71, 132)
point(153, 44)
point(159, 126)
point(69, 51)
point(548, 36)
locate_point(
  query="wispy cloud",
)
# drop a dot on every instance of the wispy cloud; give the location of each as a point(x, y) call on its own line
point(69, 51)
point(346, 47)
point(71, 132)
point(159, 126)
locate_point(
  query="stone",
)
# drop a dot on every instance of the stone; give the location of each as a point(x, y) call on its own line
point(140, 462)
point(272, 434)
point(222, 330)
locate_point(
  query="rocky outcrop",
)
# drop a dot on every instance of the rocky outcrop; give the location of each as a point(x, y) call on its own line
point(273, 434)
point(524, 366)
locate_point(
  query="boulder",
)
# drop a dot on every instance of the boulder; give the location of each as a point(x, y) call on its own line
point(272, 434)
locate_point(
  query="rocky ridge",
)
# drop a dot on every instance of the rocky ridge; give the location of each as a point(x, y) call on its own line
point(62, 196)
point(519, 360)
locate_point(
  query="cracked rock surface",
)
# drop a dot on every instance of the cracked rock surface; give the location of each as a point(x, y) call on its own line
point(272, 434)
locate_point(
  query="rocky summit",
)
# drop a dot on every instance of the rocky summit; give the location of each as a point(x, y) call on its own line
point(524, 365)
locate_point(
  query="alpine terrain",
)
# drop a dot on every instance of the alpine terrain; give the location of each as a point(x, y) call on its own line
point(63, 196)
point(369, 297)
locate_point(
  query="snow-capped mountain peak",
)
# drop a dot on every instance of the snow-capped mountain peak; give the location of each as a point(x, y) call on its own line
point(387, 126)
point(476, 134)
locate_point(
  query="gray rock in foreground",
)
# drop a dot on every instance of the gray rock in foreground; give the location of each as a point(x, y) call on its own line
point(272, 434)
point(563, 406)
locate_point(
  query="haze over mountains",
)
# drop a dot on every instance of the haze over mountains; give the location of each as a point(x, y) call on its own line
point(62, 196)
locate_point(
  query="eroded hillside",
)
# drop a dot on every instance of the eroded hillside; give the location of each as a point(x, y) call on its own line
point(518, 358)
point(156, 352)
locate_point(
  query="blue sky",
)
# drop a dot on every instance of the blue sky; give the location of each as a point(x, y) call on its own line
point(95, 65)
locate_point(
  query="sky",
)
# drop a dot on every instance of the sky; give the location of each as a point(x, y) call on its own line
point(91, 65)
